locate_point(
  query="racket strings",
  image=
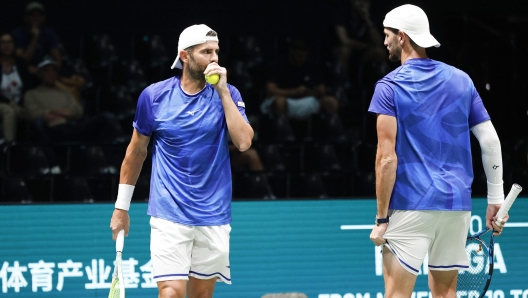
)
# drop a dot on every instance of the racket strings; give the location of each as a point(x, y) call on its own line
point(114, 289)
point(474, 280)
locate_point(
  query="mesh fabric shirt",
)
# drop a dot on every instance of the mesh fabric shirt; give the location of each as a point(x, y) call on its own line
point(191, 172)
point(435, 106)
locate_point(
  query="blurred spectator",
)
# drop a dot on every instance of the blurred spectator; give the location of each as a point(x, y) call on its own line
point(34, 41)
point(249, 160)
point(72, 75)
point(359, 41)
point(296, 90)
point(15, 80)
point(57, 115)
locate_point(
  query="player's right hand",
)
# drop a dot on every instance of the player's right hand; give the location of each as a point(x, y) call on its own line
point(377, 234)
point(491, 217)
point(120, 221)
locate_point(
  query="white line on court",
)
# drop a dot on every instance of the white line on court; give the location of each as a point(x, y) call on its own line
point(369, 227)
point(357, 227)
point(516, 225)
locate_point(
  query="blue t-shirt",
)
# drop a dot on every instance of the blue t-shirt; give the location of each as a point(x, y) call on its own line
point(191, 172)
point(435, 105)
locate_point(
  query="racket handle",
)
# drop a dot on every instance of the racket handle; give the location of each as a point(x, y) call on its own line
point(514, 192)
point(120, 241)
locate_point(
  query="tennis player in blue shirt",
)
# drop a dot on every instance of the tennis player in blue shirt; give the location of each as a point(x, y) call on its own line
point(189, 122)
point(425, 110)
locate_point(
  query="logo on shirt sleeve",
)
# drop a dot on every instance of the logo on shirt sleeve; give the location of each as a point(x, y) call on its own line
point(241, 104)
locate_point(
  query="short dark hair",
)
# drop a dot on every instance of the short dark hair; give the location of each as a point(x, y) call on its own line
point(210, 33)
point(395, 31)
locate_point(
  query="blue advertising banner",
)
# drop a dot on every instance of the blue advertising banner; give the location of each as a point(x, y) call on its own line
point(320, 248)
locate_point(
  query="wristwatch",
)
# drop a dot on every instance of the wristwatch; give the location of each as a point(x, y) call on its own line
point(382, 220)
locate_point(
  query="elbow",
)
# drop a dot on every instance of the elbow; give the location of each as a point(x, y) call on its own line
point(243, 146)
point(388, 162)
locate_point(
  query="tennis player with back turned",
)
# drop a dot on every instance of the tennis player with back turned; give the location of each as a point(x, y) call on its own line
point(425, 110)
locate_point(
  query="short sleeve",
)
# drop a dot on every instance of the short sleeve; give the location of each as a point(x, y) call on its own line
point(143, 120)
point(477, 112)
point(383, 100)
point(237, 99)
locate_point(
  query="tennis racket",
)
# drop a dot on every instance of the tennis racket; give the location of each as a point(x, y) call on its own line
point(117, 289)
point(475, 281)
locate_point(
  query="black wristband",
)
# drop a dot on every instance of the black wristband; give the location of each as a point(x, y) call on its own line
point(382, 220)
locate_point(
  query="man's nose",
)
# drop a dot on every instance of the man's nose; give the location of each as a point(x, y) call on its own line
point(214, 58)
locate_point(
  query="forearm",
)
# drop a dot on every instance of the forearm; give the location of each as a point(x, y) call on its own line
point(240, 131)
point(291, 92)
point(385, 177)
point(491, 160)
point(132, 164)
point(342, 35)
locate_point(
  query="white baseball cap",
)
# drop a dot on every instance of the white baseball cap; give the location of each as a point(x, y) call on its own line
point(413, 21)
point(47, 61)
point(191, 36)
point(34, 6)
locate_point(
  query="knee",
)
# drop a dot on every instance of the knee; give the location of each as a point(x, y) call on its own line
point(166, 291)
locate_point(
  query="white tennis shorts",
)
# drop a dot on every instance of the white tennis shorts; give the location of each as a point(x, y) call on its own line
point(412, 234)
point(179, 251)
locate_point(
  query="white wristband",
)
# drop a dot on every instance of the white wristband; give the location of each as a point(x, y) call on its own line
point(495, 193)
point(124, 196)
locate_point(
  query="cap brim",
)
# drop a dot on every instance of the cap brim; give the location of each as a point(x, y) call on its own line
point(41, 65)
point(424, 40)
point(177, 63)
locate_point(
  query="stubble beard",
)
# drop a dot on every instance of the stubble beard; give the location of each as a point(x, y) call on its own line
point(395, 51)
point(194, 70)
point(395, 55)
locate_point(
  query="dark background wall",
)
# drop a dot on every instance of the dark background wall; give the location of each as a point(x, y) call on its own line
point(484, 38)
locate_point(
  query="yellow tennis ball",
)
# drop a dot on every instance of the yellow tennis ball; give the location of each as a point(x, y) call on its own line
point(212, 79)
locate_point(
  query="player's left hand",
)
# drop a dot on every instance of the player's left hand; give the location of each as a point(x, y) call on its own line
point(491, 217)
point(377, 234)
point(214, 68)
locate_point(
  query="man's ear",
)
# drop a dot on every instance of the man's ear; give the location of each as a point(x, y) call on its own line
point(402, 37)
point(184, 56)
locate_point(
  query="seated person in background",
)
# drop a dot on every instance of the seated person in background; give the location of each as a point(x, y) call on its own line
point(359, 39)
point(56, 114)
point(34, 41)
point(69, 78)
point(250, 160)
point(14, 81)
point(72, 84)
point(296, 90)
